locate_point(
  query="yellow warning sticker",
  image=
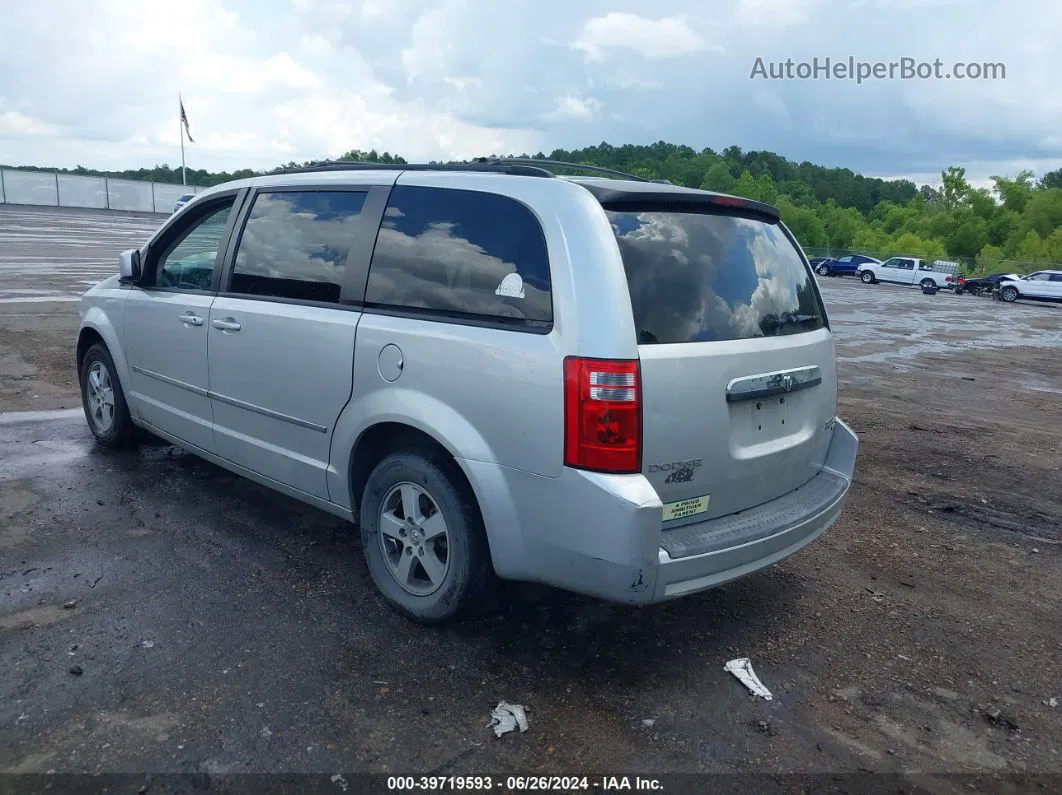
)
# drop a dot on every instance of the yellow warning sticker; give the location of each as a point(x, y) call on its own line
point(684, 508)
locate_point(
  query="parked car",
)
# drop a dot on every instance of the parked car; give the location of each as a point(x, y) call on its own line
point(1039, 286)
point(183, 200)
point(491, 370)
point(911, 270)
point(814, 262)
point(982, 284)
point(844, 266)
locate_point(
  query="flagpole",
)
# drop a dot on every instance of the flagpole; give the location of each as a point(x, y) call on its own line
point(180, 123)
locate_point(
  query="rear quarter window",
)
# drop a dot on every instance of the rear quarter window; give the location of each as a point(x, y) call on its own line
point(461, 253)
point(702, 277)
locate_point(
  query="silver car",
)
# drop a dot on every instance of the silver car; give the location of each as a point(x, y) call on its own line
point(613, 386)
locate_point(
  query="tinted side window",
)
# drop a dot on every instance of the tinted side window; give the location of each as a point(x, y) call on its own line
point(187, 263)
point(295, 245)
point(462, 253)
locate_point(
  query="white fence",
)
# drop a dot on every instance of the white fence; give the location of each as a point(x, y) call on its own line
point(52, 189)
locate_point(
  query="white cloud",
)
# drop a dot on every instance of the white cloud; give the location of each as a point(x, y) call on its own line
point(571, 107)
point(14, 123)
point(96, 83)
point(670, 36)
point(774, 13)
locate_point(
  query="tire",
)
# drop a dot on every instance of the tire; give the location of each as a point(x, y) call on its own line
point(927, 283)
point(103, 400)
point(867, 277)
point(1009, 294)
point(458, 558)
point(823, 270)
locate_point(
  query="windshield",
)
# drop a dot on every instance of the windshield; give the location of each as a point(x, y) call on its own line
point(698, 277)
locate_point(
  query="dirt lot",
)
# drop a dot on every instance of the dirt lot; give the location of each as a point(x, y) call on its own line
point(221, 628)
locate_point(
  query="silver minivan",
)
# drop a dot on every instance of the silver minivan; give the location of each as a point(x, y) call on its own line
point(614, 386)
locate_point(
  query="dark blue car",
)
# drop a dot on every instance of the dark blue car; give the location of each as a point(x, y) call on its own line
point(847, 265)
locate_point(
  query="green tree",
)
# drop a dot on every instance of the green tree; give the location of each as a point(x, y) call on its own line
point(955, 191)
point(718, 178)
point(911, 244)
point(1043, 212)
point(1052, 246)
point(1052, 179)
point(967, 235)
point(767, 192)
point(804, 223)
point(1015, 193)
point(746, 186)
point(1031, 247)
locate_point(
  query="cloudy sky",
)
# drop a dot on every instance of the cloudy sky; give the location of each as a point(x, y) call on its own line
point(95, 82)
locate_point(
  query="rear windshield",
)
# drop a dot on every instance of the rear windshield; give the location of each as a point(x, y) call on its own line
point(699, 277)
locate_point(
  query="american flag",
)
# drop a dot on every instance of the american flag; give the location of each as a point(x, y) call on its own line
point(184, 120)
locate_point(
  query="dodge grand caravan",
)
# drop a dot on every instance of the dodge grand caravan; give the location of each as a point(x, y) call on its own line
point(610, 385)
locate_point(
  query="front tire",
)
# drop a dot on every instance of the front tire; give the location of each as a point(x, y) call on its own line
point(423, 538)
point(102, 398)
point(867, 277)
point(823, 270)
point(1009, 294)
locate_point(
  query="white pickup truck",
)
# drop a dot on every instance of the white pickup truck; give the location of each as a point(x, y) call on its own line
point(911, 270)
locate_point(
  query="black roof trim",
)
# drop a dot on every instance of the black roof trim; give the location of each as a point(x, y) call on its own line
point(521, 166)
point(536, 162)
point(357, 165)
point(676, 201)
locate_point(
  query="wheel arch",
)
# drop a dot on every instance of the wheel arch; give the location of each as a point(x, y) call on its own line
point(96, 328)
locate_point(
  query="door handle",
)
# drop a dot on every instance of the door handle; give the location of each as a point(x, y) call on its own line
point(226, 324)
point(190, 319)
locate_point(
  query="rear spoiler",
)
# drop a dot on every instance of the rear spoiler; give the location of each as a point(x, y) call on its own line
point(659, 198)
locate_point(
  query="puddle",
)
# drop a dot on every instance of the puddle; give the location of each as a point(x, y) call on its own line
point(41, 299)
point(17, 417)
point(886, 324)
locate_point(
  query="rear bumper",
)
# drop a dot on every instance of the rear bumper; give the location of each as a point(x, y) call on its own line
point(601, 535)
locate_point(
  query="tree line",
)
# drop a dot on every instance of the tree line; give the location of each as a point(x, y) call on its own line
point(1016, 225)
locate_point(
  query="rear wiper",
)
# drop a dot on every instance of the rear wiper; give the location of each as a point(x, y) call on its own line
point(772, 325)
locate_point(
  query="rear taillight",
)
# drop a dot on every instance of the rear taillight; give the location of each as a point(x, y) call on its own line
point(947, 278)
point(603, 415)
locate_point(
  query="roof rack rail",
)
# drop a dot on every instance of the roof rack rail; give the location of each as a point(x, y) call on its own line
point(536, 162)
point(483, 165)
point(522, 166)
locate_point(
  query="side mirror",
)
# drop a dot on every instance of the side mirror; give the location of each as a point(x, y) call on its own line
point(129, 266)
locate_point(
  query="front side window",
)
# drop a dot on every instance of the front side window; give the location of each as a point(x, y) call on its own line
point(295, 244)
point(1040, 277)
point(189, 263)
point(705, 277)
point(891, 263)
point(461, 253)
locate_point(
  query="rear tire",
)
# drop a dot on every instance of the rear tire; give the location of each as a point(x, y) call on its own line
point(1009, 294)
point(867, 277)
point(928, 283)
point(434, 565)
point(104, 401)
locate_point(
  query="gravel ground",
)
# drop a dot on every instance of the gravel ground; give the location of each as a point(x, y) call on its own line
point(218, 627)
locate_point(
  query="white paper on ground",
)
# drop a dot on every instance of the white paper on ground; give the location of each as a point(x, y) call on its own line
point(742, 669)
point(506, 717)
